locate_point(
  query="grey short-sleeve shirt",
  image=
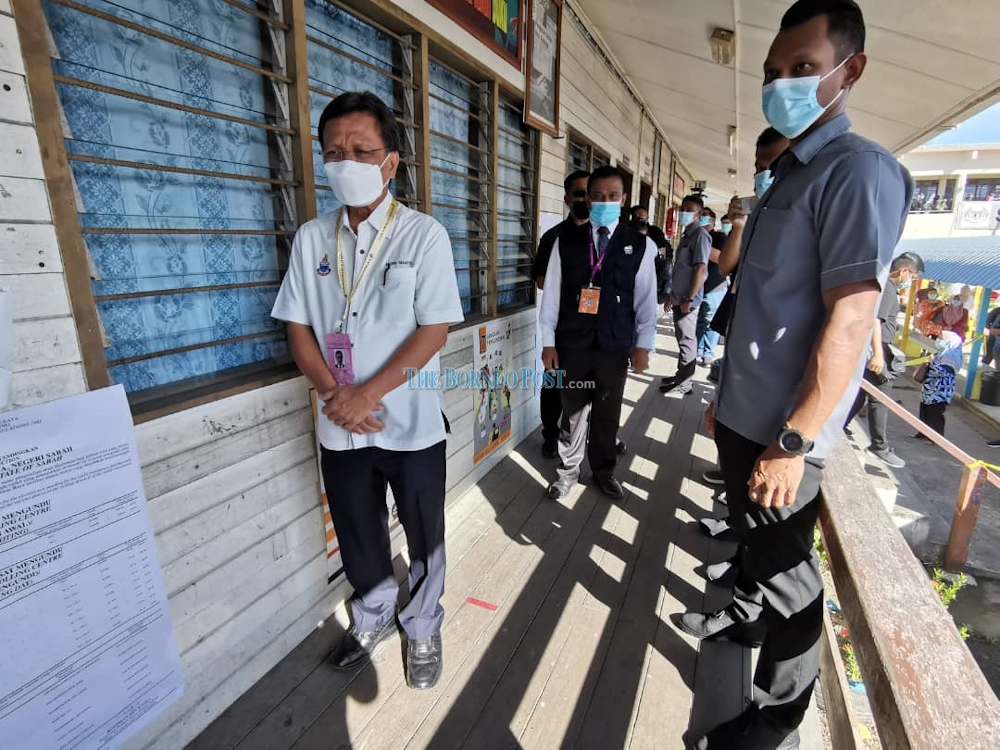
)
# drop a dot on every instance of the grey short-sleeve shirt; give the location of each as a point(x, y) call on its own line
point(833, 217)
point(694, 248)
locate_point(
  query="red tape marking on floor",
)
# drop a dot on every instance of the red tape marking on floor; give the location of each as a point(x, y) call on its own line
point(480, 603)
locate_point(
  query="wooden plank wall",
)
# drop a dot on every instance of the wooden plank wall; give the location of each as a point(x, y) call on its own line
point(595, 104)
point(47, 362)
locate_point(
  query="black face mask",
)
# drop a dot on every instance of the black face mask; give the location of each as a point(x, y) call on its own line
point(640, 225)
point(580, 210)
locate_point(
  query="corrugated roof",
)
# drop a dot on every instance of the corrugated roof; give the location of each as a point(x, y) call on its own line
point(959, 260)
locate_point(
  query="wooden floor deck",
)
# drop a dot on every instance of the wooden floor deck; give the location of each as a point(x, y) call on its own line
point(579, 652)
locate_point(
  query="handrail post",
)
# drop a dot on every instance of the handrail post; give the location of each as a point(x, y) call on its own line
point(963, 524)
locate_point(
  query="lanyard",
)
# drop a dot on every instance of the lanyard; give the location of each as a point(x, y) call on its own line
point(373, 251)
point(596, 262)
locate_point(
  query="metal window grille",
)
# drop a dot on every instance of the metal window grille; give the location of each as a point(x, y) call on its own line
point(984, 189)
point(460, 177)
point(176, 119)
point(516, 208)
point(349, 53)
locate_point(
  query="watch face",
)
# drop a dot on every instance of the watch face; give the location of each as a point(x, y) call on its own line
point(791, 442)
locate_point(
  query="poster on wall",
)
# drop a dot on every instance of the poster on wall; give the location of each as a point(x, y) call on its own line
point(541, 98)
point(88, 656)
point(497, 23)
point(978, 215)
point(493, 387)
point(334, 564)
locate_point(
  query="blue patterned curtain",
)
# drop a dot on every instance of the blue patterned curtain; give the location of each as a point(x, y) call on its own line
point(460, 177)
point(151, 292)
point(347, 54)
point(515, 209)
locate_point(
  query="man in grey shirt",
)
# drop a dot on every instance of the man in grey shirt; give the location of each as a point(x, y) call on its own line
point(815, 255)
point(690, 269)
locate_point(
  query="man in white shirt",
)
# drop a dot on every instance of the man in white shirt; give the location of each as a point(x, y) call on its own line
point(368, 297)
point(598, 311)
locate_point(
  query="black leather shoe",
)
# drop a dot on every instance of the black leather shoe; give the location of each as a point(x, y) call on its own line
point(550, 449)
point(621, 448)
point(358, 646)
point(748, 731)
point(611, 487)
point(723, 625)
point(424, 662)
point(559, 488)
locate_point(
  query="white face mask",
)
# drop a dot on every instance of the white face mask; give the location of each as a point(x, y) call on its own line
point(355, 183)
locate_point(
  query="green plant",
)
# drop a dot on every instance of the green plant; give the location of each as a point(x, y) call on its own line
point(818, 545)
point(947, 590)
point(850, 662)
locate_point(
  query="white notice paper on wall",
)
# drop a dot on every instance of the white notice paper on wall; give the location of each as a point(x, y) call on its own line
point(6, 351)
point(87, 653)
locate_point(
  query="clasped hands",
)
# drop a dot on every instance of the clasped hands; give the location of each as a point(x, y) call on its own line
point(352, 407)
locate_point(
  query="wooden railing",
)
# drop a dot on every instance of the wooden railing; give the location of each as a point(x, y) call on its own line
point(975, 475)
point(925, 689)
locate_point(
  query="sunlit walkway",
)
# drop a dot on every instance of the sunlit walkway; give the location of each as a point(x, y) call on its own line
point(574, 646)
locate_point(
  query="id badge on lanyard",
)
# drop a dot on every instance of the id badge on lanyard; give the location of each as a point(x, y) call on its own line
point(340, 355)
point(590, 295)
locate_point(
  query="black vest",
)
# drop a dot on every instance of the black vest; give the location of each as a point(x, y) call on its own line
point(613, 328)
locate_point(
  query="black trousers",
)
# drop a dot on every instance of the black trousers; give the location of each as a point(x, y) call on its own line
point(932, 415)
point(607, 372)
point(778, 580)
point(551, 408)
point(356, 482)
point(878, 413)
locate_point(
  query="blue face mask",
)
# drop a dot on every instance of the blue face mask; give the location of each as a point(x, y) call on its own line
point(762, 182)
point(686, 219)
point(704, 221)
point(956, 302)
point(790, 104)
point(605, 214)
point(727, 228)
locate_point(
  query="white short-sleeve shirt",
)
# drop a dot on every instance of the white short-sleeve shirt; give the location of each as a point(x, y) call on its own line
point(411, 283)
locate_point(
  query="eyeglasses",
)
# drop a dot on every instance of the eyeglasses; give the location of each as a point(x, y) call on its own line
point(354, 155)
point(578, 193)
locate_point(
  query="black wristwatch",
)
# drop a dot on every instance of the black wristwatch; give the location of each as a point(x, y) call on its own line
point(687, 299)
point(794, 442)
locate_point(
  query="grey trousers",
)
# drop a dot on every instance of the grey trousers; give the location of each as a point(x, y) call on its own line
point(591, 416)
point(778, 580)
point(356, 482)
point(686, 331)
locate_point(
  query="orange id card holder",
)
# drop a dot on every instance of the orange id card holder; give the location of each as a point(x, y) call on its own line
point(590, 298)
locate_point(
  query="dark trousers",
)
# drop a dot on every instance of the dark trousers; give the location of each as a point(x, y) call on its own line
point(878, 413)
point(686, 332)
point(550, 404)
point(778, 580)
point(602, 403)
point(932, 415)
point(356, 482)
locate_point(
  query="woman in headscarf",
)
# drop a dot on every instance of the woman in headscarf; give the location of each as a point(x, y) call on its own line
point(939, 383)
point(954, 317)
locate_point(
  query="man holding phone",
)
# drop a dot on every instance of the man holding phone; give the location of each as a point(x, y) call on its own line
point(690, 270)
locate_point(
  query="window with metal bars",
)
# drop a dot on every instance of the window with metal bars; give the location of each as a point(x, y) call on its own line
point(584, 156)
point(516, 204)
point(173, 115)
point(983, 189)
point(460, 177)
point(348, 53)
